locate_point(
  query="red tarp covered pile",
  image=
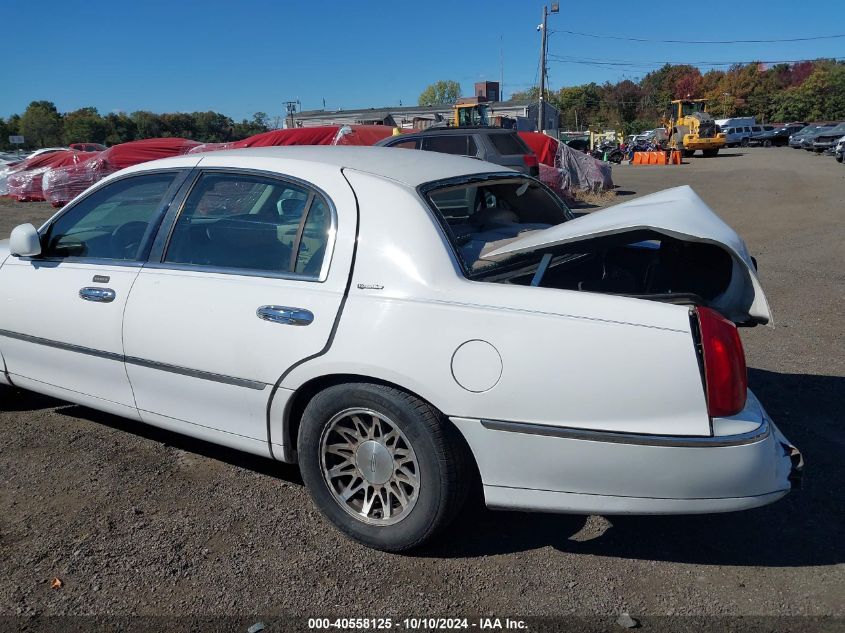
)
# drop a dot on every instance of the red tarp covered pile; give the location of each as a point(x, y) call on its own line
point(544, 146)
point(564, 169)
point(321, 135)
point(24, 180)
point(62, 184)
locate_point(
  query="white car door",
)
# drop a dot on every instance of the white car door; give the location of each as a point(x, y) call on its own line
point(247, 284)
point(62, 311)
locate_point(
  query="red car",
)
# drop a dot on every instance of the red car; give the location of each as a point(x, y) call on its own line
point(87, 147)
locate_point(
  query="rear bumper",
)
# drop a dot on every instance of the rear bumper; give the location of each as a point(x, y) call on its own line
point(528, 469)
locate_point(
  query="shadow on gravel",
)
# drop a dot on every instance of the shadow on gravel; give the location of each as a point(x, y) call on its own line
point(29, 401)
point(806, 528)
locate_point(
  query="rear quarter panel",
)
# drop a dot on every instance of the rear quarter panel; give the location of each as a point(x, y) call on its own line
point(567, 358)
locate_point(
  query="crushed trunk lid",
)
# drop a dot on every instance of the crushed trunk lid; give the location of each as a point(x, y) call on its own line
point(678, 213)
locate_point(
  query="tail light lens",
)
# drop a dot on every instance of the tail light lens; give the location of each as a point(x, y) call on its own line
point(530, 160)
point(725, 374)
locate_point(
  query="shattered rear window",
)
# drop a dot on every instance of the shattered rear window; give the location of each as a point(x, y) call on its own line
point(482, 215)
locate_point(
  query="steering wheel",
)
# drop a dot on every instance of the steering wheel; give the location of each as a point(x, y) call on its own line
point(126, 238)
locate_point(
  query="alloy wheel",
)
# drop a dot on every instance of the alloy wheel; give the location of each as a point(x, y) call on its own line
point(369, 466)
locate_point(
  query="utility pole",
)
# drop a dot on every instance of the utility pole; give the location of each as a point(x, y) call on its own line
point(541, 106)
point(291, 107)
point(501, 70)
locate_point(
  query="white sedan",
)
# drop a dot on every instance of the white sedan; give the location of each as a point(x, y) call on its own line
point(401, 324)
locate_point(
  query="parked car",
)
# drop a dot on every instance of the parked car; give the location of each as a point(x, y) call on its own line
point(10, 158)
point(579, 144)
point(46, 150)
point(492, 144)
point(88, 147)
point(839, 150)
point(795, 141)
point(777, 136)
point(825, 139)
point(396, 321)
point(738, 135)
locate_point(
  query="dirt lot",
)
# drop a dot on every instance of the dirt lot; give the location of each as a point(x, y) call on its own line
point(140, 521)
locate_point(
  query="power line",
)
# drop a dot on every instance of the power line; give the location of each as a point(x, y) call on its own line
point(646, 64)
point(639, 39)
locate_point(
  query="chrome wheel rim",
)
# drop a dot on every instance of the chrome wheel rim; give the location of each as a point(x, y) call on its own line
point(369, 466)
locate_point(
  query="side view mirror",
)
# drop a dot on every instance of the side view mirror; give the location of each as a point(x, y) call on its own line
point(24, 241)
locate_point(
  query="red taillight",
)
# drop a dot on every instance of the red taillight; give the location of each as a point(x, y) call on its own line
point(725, 375)
point(530, 160)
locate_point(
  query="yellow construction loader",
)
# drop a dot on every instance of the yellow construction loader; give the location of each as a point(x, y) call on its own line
point(471, 114)
point(690, 128)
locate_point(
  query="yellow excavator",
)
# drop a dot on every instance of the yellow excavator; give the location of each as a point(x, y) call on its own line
point(471, 114)
point(690, 127)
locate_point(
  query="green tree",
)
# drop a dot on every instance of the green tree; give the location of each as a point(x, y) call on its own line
point(246, 128)
point(147, 124)
point(85, 125)
point(212, 127)
point(121, 128)
point(41, 124)
point(440, 93)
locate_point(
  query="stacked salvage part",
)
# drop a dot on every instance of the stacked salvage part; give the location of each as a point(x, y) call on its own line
point(566, 170)
point(62, 183)
point(23, 181)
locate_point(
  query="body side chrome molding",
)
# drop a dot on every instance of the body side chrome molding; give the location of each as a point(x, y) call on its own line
point(677, 441)
point(141, 362)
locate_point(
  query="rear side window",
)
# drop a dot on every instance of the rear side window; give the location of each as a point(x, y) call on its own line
point(111, 222)
point(462, 145)
point(509, 144)
point(410, 144)
point(251, 223)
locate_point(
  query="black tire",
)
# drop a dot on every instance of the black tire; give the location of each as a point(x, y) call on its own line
point(744, 142)
point(839, 158)
point(5, 394)
point(767, 143)
point(710, 152)
point(443, 464)
point(688, 153)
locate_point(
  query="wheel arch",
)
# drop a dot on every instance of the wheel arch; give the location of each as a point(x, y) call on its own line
point(296, 403)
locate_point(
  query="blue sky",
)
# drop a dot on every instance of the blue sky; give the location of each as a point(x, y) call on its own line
point(241, 57)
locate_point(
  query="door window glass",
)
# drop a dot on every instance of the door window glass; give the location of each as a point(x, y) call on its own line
point(253, 223)
point(112, 222)
point(411, 144)
point(452, 144)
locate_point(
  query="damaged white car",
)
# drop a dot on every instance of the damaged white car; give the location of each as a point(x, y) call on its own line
point(401, 324)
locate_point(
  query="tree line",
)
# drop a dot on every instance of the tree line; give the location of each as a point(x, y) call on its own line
point(42, 125)
point(804, 91)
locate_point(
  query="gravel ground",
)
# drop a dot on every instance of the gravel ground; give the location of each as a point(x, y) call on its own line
point(137, 521)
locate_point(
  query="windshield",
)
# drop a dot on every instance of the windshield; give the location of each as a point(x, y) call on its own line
point(481, 214)
point(839, 129)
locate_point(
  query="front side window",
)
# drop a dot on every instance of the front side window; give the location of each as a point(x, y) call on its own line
point(110, 223)
point(251, 223)
point(482, 215)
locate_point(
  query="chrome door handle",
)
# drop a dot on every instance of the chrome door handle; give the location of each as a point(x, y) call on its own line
point(100, 295)
point(285, 315)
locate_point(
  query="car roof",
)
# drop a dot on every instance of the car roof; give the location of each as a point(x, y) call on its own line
point(410, 167)
point(464, 129)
